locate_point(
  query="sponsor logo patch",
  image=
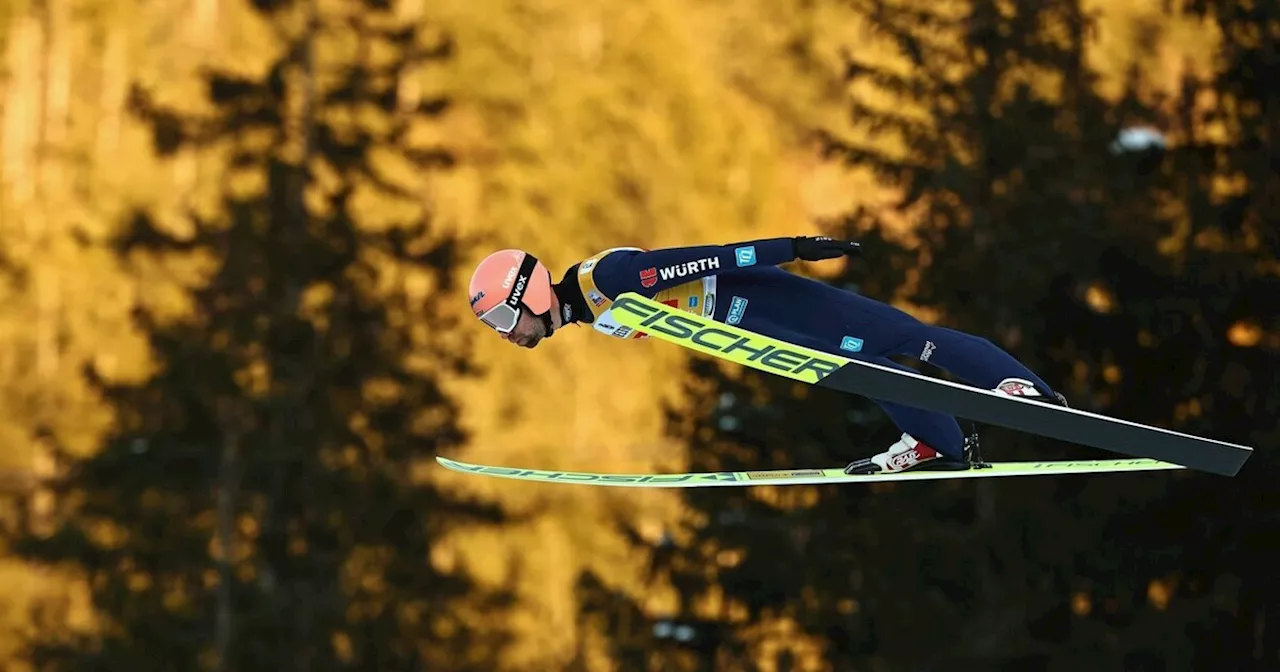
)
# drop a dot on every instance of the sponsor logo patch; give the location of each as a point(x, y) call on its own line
point(596, 297)
point(745, 256)
point(689, 268)
point(736, 308)
point(851, 344)
point(476, 298)
point(903, 460)
point(1015, 387)
point(648, 277)
point(925, 354)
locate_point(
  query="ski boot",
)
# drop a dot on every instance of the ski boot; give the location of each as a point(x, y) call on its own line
point(907, 454)
point(1025, 389)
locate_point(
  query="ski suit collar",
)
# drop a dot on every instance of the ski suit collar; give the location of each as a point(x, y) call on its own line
point(573, 305)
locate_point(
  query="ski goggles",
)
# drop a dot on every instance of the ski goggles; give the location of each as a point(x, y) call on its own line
point(504, 316)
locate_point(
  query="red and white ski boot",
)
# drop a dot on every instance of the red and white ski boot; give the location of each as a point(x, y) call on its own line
point(906, 454)
point(1025, 389)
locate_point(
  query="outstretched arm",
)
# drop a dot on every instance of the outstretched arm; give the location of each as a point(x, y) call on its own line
point(651, 272)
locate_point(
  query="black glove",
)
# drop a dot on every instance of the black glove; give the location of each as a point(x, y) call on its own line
point(822, 247)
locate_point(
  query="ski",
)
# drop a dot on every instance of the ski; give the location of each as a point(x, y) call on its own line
point(803, 476)
point(821, 369)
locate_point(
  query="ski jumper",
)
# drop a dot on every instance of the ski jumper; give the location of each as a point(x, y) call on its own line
point(740, 285)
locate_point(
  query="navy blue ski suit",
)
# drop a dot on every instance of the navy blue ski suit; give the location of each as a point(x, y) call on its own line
point(740, 284)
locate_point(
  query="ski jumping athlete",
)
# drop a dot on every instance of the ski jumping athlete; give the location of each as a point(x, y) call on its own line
point(512, 292)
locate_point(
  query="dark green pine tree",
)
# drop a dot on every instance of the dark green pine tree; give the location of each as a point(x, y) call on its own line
point(1007, 168)
point(256, 507)
point(1194, 329)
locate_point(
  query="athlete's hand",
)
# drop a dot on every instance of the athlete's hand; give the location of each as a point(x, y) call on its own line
point(822, 247)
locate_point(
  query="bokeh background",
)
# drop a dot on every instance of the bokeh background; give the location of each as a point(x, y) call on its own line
point(236, 237)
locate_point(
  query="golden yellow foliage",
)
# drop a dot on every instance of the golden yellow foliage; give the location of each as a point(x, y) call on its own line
point(576, 126)
point(581, 127)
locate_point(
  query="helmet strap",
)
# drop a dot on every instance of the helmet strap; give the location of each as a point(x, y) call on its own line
point(524, 276)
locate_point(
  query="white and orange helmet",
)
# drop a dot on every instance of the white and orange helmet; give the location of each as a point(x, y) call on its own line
point(505, 283)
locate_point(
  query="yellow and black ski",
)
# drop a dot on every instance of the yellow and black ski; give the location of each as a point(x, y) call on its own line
point(822, 369)
point(802, 476)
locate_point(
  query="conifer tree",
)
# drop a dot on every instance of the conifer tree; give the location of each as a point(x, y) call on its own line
point(997, 142)
point(258, 506)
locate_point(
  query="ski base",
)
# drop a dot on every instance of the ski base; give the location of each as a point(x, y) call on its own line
point(805, 476)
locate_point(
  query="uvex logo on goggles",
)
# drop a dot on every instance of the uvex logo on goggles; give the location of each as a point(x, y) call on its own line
point(522, 280)
point(682, 326)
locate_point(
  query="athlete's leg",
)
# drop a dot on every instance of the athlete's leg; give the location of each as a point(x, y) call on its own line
point(830, 315)
point(974, 359)
point(938, 430)
point(814, 315)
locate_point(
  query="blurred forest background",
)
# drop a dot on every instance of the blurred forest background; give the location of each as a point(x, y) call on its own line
point(235, 237)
